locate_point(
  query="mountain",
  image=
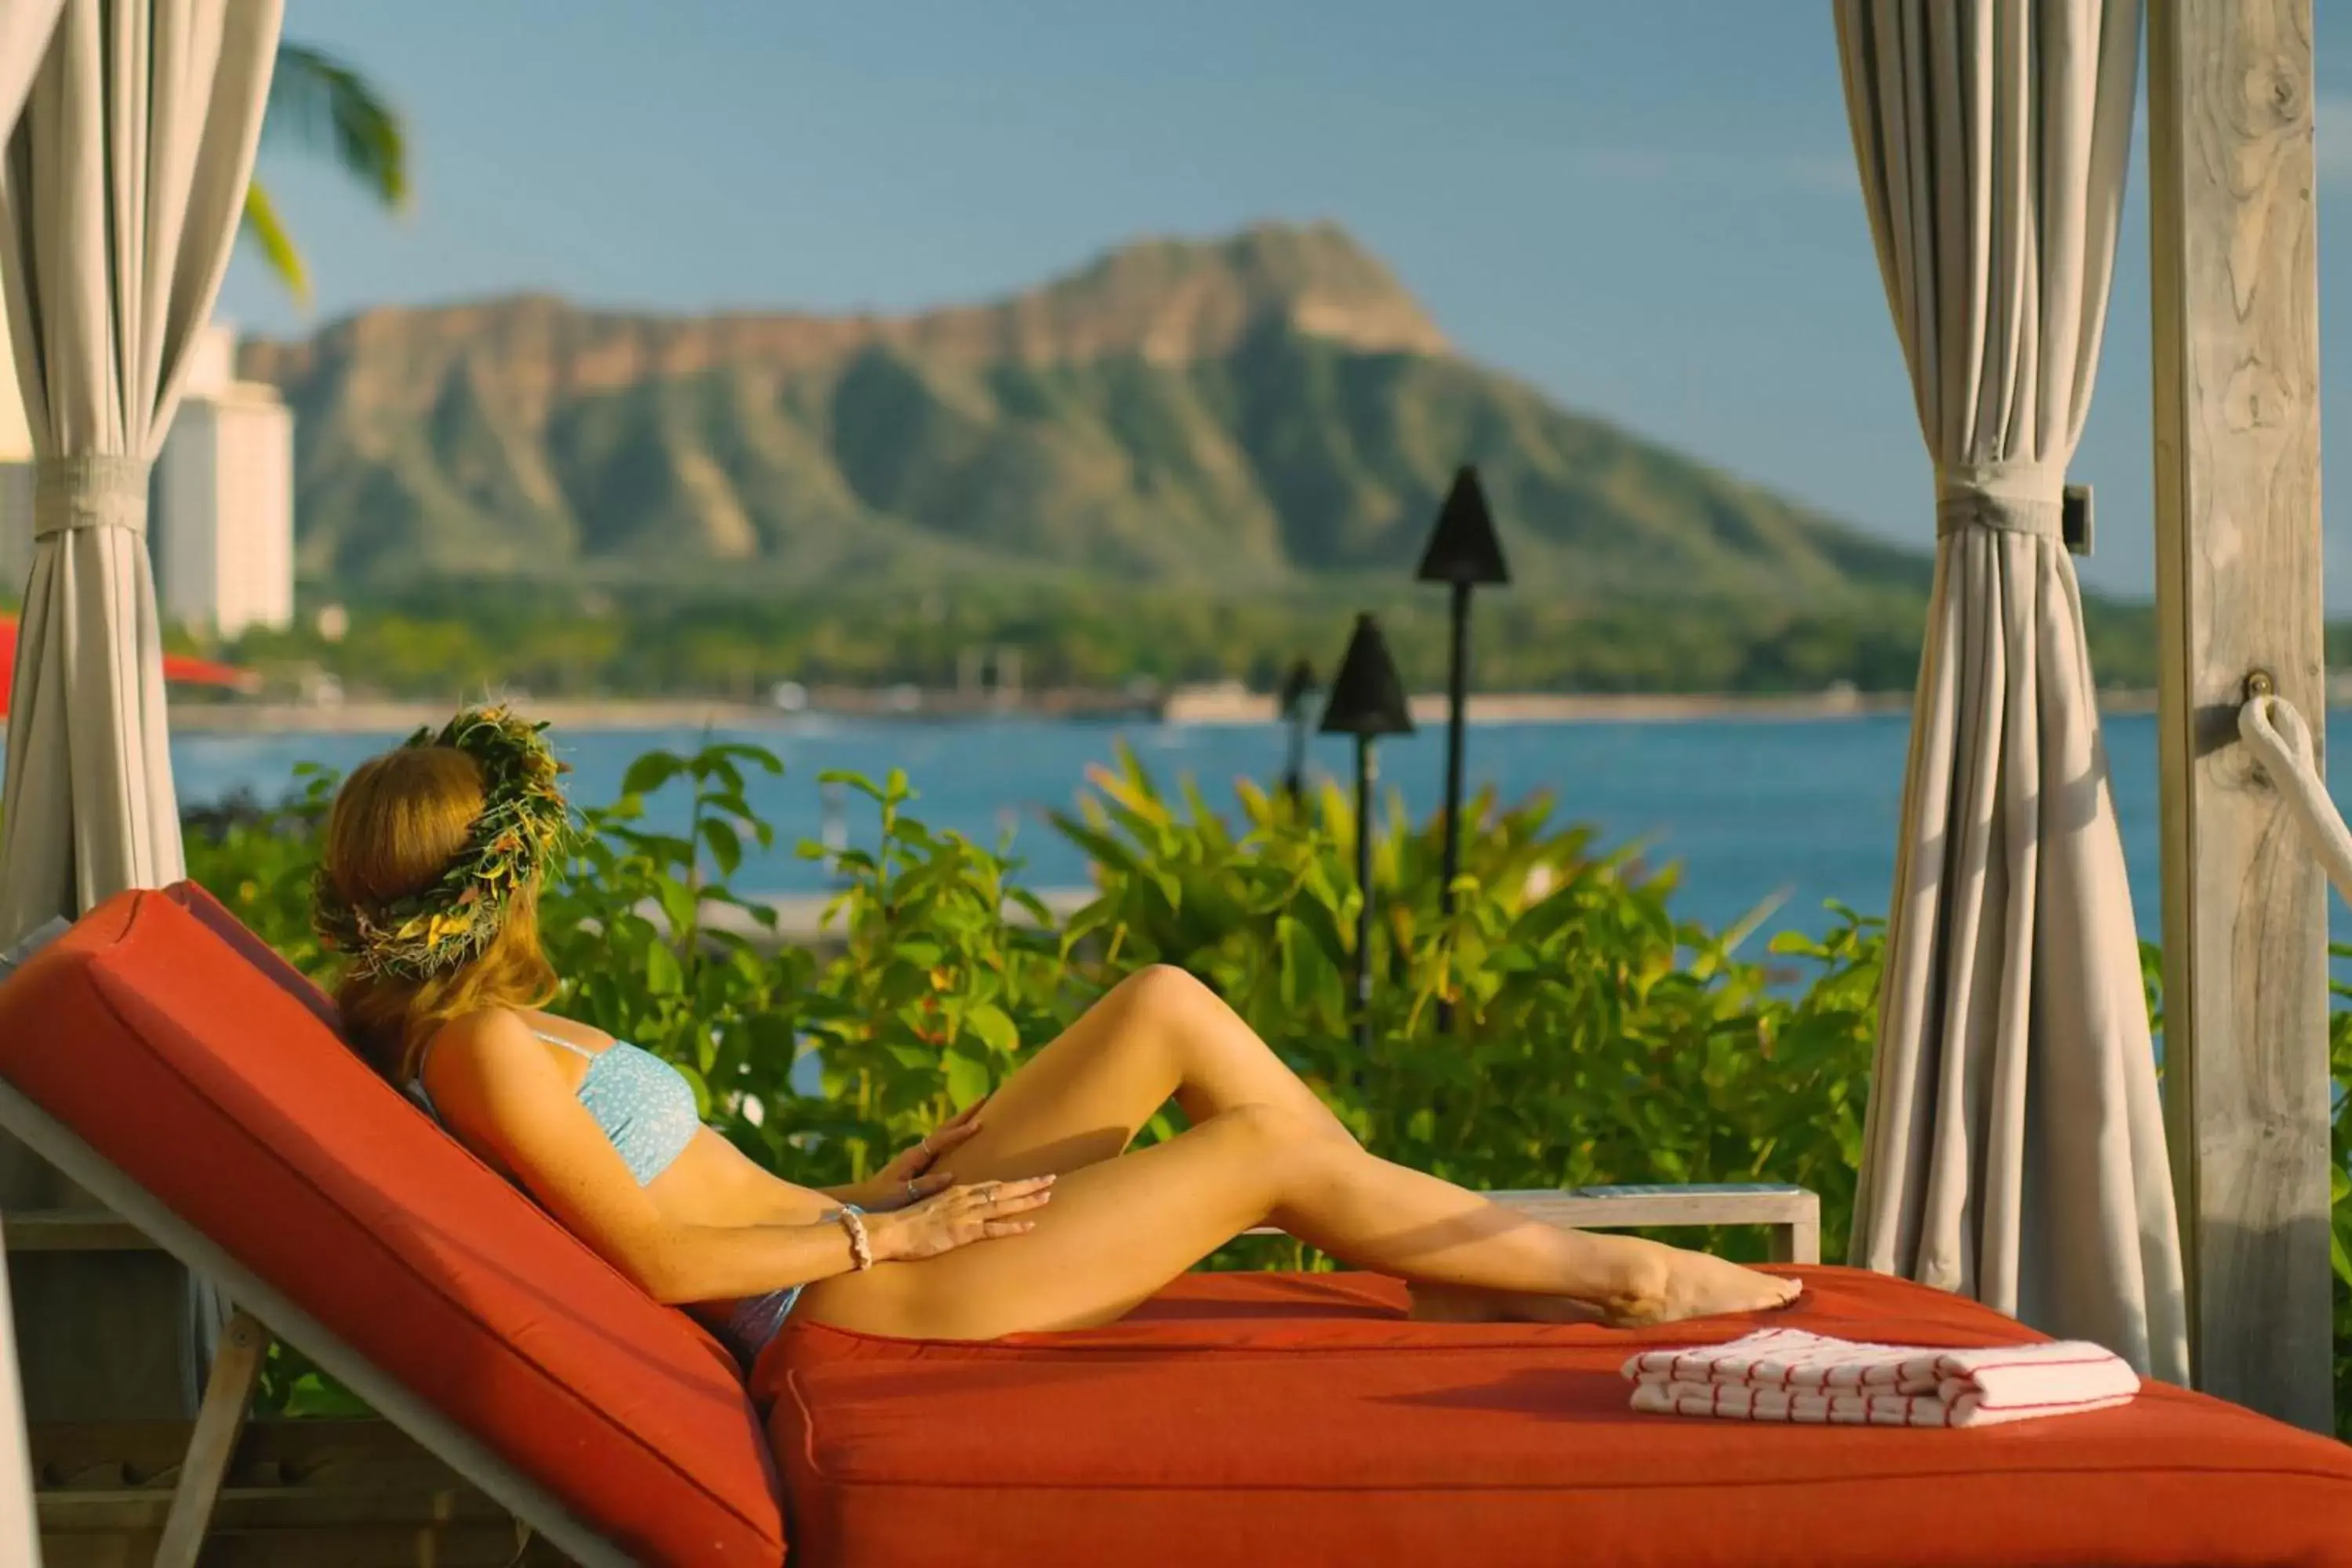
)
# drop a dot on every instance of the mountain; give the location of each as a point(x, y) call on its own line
point(1263, 410)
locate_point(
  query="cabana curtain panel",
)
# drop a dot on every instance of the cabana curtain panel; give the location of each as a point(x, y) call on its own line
point(2014, 1142)
point(120, 191)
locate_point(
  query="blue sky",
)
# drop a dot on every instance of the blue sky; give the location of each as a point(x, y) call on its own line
point(1646, 209)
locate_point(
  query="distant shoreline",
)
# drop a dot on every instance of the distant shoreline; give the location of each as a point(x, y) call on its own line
point(1205, 707)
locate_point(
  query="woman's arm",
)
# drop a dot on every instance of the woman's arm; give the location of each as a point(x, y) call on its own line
point(681, 1263)
point(715, 1263)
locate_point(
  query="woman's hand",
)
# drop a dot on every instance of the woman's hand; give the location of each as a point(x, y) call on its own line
point(957, 1218)
point(909, 1177)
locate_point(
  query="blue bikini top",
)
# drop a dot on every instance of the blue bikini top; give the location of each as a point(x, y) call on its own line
point(643, 1105)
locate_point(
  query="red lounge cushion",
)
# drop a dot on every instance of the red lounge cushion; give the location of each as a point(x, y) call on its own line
point(1301, 1419)
point(215, 917)
point(217, 1087)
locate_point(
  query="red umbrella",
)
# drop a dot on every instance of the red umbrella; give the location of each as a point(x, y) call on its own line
point(177, 668)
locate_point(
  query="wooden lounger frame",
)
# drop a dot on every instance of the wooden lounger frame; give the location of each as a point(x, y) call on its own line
point(228, 1392)
point(134, 1218)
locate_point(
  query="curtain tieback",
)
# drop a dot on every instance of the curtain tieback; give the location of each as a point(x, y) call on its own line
point(2006, 497)
point(96, 490)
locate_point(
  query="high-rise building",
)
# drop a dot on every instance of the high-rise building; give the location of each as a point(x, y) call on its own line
point(220, 527)
point(15, 525)
point(16, 477)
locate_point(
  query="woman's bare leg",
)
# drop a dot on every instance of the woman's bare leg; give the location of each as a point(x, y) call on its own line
point(1158, 1034)
point(1118, 1230)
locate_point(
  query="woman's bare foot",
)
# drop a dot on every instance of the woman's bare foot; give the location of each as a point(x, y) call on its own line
point(1694, 1285)
point(1459, 1304)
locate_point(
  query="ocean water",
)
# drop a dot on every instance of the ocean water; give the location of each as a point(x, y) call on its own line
point(1802, 811)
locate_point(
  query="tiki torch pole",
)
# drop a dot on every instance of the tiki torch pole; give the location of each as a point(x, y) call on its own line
point(1367, 770)
point(1458, 702)
point(1462, 552)
point(1367, 700)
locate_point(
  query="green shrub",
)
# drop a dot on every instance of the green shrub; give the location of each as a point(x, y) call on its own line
point(1596, 1038)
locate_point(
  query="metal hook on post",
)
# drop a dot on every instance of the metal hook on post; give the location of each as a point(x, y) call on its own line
point(2253, 693)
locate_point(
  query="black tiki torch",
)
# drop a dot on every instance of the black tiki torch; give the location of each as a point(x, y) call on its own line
point(1464, 551)
point(1367, 702)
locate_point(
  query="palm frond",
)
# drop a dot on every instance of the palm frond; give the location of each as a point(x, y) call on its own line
point(318, 102)
point(278, 251)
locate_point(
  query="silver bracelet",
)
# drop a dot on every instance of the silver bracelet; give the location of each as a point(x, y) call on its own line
point(851, 1218)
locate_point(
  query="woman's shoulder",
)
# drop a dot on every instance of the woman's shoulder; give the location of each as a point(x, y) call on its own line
point(521, 1034)
point(492, 1023)
point(484, 1039)
point(491, 1083)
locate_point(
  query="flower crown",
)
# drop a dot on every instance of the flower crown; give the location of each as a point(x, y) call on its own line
point(523, 824)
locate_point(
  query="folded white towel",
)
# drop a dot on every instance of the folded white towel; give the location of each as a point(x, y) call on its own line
point(1788, 1374)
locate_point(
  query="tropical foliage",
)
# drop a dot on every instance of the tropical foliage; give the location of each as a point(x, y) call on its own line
point(319, 105)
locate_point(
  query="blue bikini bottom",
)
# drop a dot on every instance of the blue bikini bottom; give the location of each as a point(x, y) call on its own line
point(755, 1320)
point(758, 1318)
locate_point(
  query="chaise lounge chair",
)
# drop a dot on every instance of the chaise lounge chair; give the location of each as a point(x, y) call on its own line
point(162, 1057)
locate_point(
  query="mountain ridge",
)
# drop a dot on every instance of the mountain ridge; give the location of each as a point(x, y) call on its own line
point(1166, 300)
point(1268, 407)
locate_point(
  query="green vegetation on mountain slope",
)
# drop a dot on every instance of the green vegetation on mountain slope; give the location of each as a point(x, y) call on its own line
point(555, 640)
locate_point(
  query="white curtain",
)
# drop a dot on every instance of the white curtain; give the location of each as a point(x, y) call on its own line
point(2014, 1145)
point(26, 28)
point(120, 195)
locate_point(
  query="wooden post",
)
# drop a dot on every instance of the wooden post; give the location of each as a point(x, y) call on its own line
point(2236, 360)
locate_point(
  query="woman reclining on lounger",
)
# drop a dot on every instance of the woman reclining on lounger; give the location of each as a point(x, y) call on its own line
point(1027, 1213)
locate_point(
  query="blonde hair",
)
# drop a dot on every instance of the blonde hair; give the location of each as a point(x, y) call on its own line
point(397, 823)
